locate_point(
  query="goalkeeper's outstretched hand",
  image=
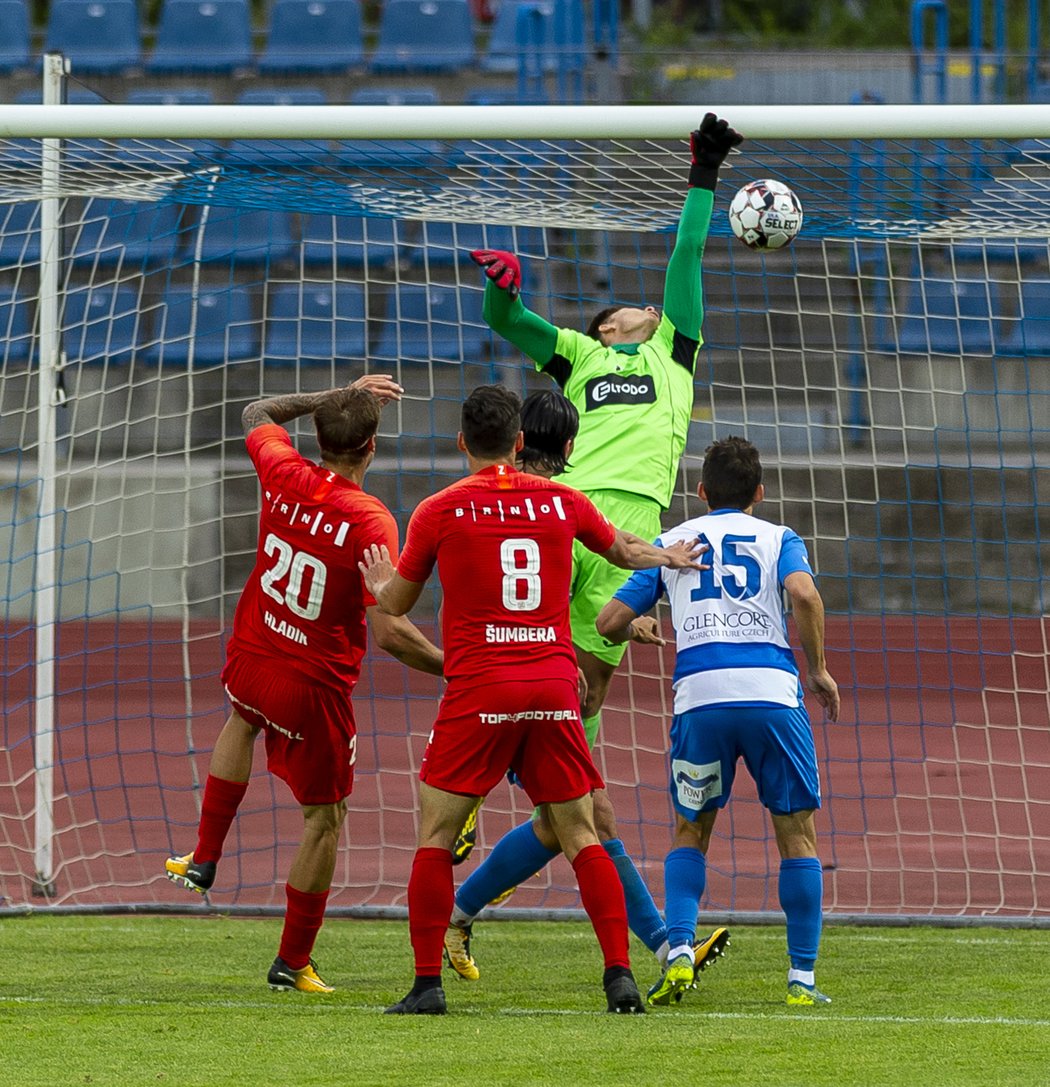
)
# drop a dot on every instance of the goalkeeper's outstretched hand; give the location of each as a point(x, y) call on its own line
point(710, 144)
point(503, 268)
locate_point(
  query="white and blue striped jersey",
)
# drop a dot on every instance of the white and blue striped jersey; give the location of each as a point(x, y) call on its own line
point(729, 621)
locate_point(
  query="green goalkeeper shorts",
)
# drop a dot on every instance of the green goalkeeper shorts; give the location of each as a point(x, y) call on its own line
point(595, 581)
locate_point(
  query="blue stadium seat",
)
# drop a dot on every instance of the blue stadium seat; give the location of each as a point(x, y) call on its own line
point(202, 36)
point(316, 324)
point(127, 232)
point(1030, 334)
point(215, 328)
point(424, 36)
point(279, 153)
point(313, 36)
point(523, 33)
point(244, 236)
point(492, 96)
point(950, 317)
point(451, 243)
point(19, 237)
point(99, 36)
point(101, 324)
point(379, 154)
point(429, 322)
point(16, 326)
point(349, 239)
point(14, 35)
point(182, 96)
point(395, 96)
point(157, 153)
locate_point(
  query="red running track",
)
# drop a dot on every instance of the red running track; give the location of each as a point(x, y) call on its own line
point(936, 778)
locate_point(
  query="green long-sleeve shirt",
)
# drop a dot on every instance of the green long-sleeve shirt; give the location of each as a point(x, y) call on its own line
point(635, 400)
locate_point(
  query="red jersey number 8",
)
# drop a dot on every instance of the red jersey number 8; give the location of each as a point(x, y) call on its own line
point(521, 579)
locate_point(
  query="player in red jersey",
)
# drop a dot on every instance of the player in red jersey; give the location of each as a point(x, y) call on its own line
point(502, 542)
point(299, 634)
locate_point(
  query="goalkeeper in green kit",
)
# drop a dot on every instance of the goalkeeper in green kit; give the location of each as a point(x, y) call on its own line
point(630, 377)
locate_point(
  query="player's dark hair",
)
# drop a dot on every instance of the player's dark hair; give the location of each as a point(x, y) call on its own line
point(549, 422)
point(599, 319)
point(345, 421)
point(731, 474)
point(490, 421)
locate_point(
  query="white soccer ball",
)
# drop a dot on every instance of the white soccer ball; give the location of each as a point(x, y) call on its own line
point(765, 214)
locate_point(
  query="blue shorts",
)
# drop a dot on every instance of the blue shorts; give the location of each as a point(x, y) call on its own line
point(775, 742)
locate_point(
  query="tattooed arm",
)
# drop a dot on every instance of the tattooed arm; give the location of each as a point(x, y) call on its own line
point(282, 409)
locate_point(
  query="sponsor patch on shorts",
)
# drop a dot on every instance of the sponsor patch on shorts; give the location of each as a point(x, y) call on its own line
point(696, 785)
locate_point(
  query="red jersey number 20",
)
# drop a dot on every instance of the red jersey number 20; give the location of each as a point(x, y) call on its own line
point(303, 571)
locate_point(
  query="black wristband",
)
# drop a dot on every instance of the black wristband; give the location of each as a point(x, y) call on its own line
point(703, 177)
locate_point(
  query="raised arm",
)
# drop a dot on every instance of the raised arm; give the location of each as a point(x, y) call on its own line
point(282, 409)
point(683, 296)
point(808, 609)
point(506, 314)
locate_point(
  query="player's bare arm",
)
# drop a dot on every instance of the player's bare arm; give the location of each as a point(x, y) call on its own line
point(633, 553)
point(617, 622)
point(394, 594)
point(404, 641)
point(808, 609)
point(282, 409)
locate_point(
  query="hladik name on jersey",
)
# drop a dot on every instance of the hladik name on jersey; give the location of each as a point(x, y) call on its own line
point(285, 629)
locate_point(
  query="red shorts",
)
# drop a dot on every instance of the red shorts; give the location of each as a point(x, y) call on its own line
point(311, 738)
point(532, 728)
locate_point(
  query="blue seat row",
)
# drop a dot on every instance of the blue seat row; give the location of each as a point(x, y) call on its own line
point(111, 232)
point(105, 36)
point(967, 317)
point(306, 324)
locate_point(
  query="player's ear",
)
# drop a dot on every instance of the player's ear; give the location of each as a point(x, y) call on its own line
point(701, 493)
point(461, 445)
point(570, 445)
point(760, 493)
point(519, 442)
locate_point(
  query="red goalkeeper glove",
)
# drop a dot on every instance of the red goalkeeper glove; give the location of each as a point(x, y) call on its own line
point(503, 268)
point(710, 144)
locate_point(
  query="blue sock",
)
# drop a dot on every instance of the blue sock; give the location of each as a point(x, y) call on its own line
point(802, 900)
point(685, 877)
point(642, 915)
point(518, 855)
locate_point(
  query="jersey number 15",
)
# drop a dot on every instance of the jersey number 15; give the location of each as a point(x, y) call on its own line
point(710, 586)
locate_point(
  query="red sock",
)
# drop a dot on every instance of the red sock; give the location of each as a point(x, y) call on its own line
point(602, 895)
point(302, 921)
point(221, 800)
point(430, 900)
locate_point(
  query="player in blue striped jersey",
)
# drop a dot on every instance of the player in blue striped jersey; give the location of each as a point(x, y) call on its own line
point(737, 693)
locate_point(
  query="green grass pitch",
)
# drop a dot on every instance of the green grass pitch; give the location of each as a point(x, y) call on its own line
point(128, 1000)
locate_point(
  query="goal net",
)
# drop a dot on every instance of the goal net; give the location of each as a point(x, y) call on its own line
point(161, 267)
